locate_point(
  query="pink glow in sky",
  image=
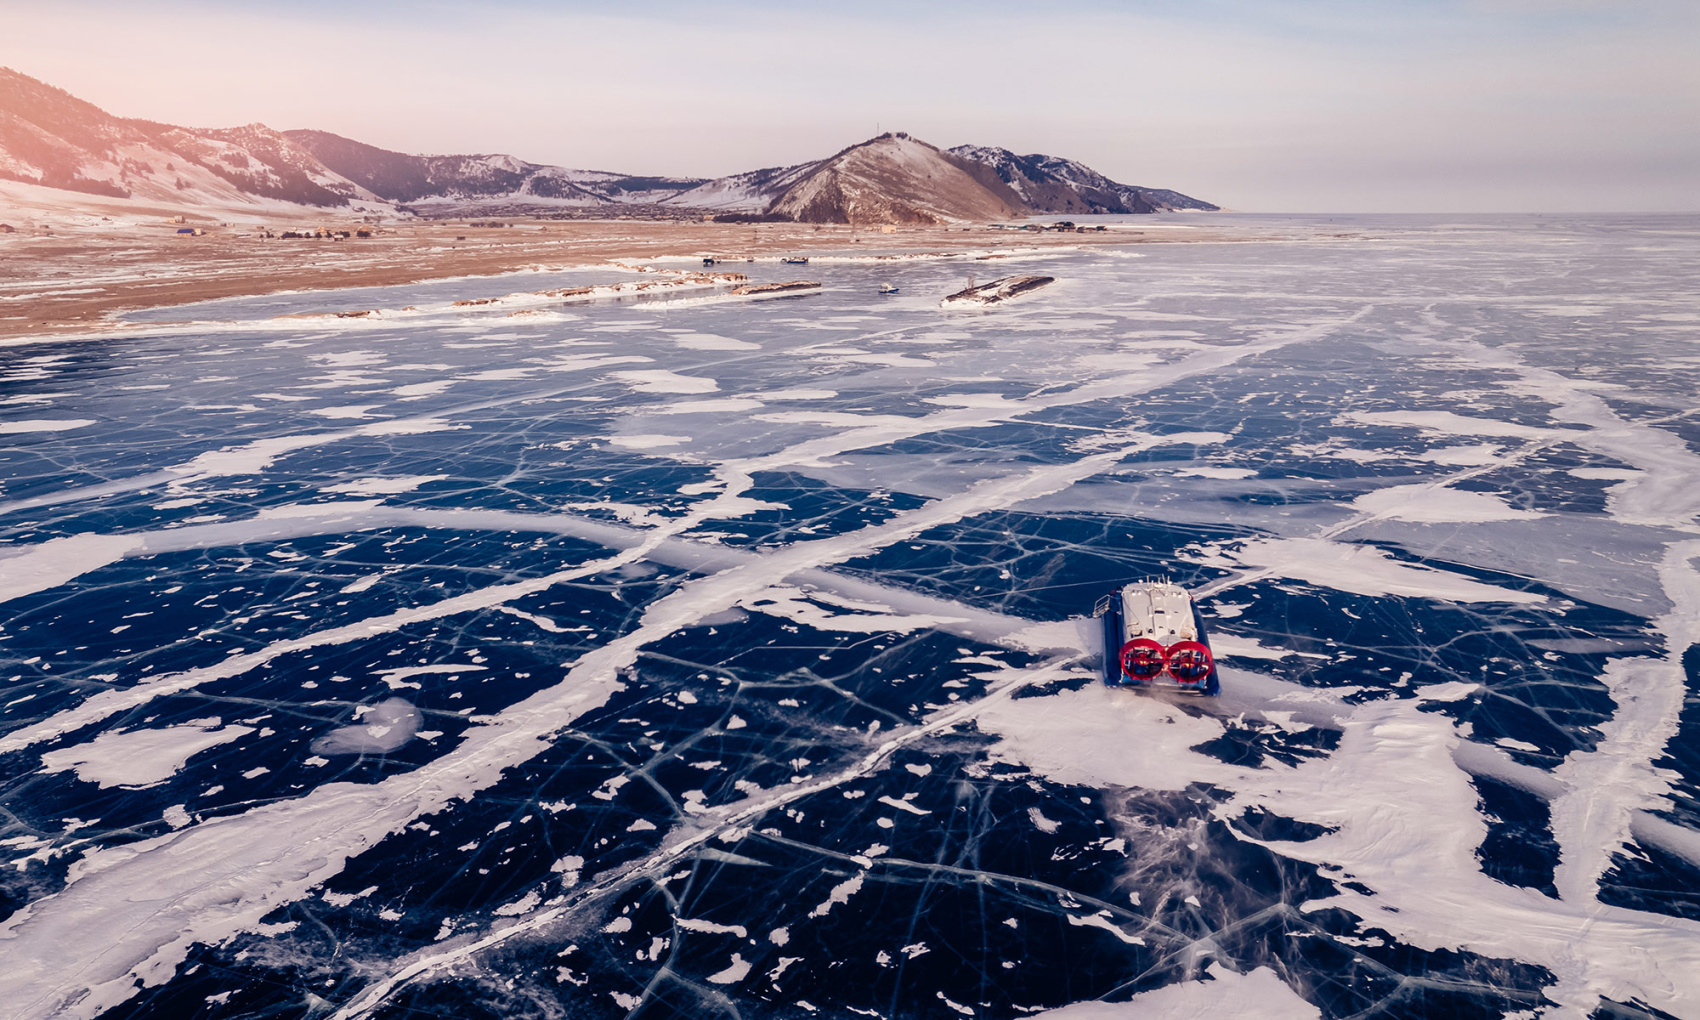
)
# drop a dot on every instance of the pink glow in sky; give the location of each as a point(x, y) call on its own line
point(1493, 105)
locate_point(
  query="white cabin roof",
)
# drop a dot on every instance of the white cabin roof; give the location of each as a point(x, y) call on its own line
point(1162, 612)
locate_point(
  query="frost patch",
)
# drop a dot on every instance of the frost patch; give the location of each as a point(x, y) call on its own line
point(388, 725)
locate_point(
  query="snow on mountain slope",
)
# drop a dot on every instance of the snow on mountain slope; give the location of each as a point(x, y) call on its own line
point(1054, 184)
point(50, 137)
point(895, 179)
point(751, 192)
point(267, 163)
point(401, 177)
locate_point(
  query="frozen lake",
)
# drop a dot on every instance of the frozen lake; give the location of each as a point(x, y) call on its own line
point(700, 656)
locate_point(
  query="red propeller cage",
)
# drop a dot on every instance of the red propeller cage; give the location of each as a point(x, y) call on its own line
point(1188, 662)
point(1143, 659)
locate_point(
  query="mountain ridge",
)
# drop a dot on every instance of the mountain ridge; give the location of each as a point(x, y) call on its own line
point(52, 138)
point(894, 178)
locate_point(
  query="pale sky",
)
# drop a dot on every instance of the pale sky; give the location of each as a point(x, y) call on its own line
point(1303, 106)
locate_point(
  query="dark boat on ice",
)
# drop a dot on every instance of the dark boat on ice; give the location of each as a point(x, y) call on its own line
point(1154, 637)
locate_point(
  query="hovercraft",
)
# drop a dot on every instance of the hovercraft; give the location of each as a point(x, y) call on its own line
point(1154, 637)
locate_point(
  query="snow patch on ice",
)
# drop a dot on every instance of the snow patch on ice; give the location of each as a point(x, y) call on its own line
point(387, 726)
point(810, 609)
point(698, 924)
point(712, 342)
point(840, 893)
point(52, 563)
point(43, 425)
point(650, 441)
point(140, 757)
point(1439, 504)
point(713, 405)
point(1362, 569)
point(384, 486)
point(1446, 423)
point(1256, 995)
point(1222, 473)
point(660, 380)
point(735, 971)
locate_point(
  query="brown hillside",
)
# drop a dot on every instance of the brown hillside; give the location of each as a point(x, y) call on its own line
point(897, 179)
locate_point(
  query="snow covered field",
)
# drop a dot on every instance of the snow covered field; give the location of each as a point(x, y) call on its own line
point(705, 657)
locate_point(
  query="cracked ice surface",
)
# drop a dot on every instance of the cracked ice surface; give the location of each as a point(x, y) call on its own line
point(709, 657)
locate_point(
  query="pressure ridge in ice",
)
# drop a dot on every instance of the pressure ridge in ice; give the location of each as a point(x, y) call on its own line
point(705, 657)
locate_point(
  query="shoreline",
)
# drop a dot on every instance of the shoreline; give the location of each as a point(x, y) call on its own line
point(81, 278)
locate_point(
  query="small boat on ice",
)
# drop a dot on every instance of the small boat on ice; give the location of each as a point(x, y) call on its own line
point(795, 260)
point(888, 288)
point(1154, 637)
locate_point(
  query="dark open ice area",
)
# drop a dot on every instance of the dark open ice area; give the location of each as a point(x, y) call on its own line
point(713, 657)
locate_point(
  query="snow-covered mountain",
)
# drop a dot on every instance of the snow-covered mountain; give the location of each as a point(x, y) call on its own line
point(749, 193)
point(456, 180)
point(49, 137)
point(1053, 184)
point(899, 179)
point(895, 179)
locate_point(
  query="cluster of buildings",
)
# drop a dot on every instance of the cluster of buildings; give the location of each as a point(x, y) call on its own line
point(1063, 226)
point(321, 233)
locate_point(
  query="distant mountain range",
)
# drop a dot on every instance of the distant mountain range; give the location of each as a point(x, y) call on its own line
point(51, 138)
